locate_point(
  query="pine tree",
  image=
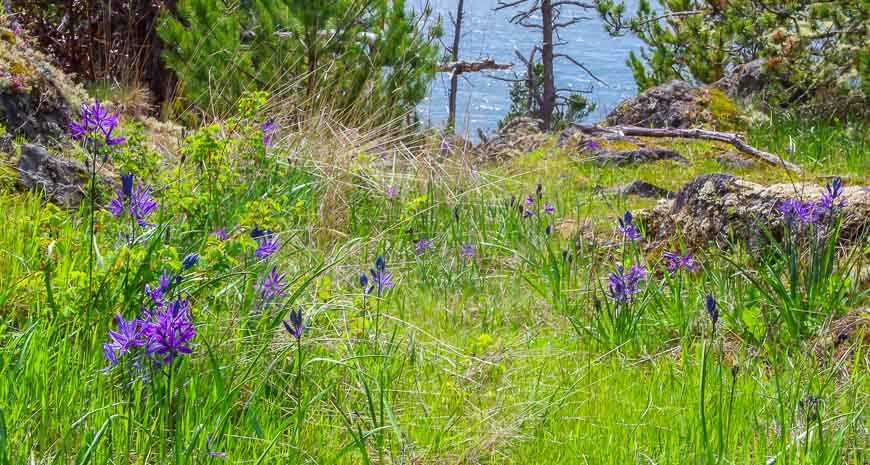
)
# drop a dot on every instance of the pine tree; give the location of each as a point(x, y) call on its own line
point(373, 55)
point(816, 49)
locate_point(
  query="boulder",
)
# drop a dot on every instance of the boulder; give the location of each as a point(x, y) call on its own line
point(642, 189)
point(746, 80)
point(520, 136)
point(35, 97)
point(715, 209)
point(634, 156)
point(733, 160)
point(64, 181)
point(677, 104)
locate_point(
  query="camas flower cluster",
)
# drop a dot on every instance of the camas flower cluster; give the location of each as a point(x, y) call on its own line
point(96, 125)
point(674, 262)
point(529, 205)
point(380, 279)
point(164, 329)
point(623, 286)
point(136, 200)
point(627, 228)
point(267, 242)
point(795, 211)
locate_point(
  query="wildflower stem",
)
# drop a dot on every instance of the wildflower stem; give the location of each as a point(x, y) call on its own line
point(701, 412)
point(299, 368)
point(92, 229)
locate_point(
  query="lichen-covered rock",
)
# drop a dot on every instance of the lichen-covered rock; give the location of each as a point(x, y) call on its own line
point(35, 97)
point(733, 160)
point(520, 136)
point(62, 180)
point(677, 104)
point(634, 156)
point(715, 209)
point(642, 189)
point(748, 79)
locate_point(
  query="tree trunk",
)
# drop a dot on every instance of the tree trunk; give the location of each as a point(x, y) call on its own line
point(549, 98)
point(454, 79)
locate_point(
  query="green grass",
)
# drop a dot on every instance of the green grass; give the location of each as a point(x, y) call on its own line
point(482, 361)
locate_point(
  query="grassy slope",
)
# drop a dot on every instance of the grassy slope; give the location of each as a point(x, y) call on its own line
point(461, 362)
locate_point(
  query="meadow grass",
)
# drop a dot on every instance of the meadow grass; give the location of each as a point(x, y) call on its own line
point(505, 357)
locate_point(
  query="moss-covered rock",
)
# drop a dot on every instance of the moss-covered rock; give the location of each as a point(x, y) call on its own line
point(678, 104)
point(35, 96)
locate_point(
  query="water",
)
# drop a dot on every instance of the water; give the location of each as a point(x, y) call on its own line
point(483, 101)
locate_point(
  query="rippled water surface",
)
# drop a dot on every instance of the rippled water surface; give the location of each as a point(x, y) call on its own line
point(483, 101)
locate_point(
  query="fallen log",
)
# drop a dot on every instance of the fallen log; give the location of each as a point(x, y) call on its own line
point(728, 137)
point(460, 67)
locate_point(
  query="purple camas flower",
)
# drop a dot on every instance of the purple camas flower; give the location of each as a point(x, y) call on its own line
point(271, 287)
point(127, 185)
point(156, 294)
point(130, 334)
point(712, 309)
point(466, 250)
point(445, 147)
point(530, 201)
point(592, 145)
point(675, 262)
point(170, 333)
point(165, 280)
point(796, 211)
point(549, 208)
point(296, 325)
point(136, 199)
point(623, 286)
point(833, 191)
point(189, 261)
point(96, 124)
point(164, 330)
point(220, 234)
point(392, 192)
point(268, 246)
point(267, 242)
point(627, 227)
point(381, 279)
point(142, 205)
point(269, 130)
point(116, 205)
point(422, 246)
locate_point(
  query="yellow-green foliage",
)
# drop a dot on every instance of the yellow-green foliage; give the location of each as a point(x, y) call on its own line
point(725, 113)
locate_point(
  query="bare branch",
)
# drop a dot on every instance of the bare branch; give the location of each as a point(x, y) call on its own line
point(729, 138)
point(580, 65)
point(462, 66)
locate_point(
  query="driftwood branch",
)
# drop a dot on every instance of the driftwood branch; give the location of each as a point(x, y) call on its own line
point(460, 67)
point(729, 138)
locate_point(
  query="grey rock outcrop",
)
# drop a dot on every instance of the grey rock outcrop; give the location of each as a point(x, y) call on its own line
point(733, 160)
point(63, 180)
point(676, 104)
point(716, 209)
point(642, 189)
point(634, 156)
point(748, 79)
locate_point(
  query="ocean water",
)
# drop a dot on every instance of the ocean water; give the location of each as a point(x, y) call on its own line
point(483, 101)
